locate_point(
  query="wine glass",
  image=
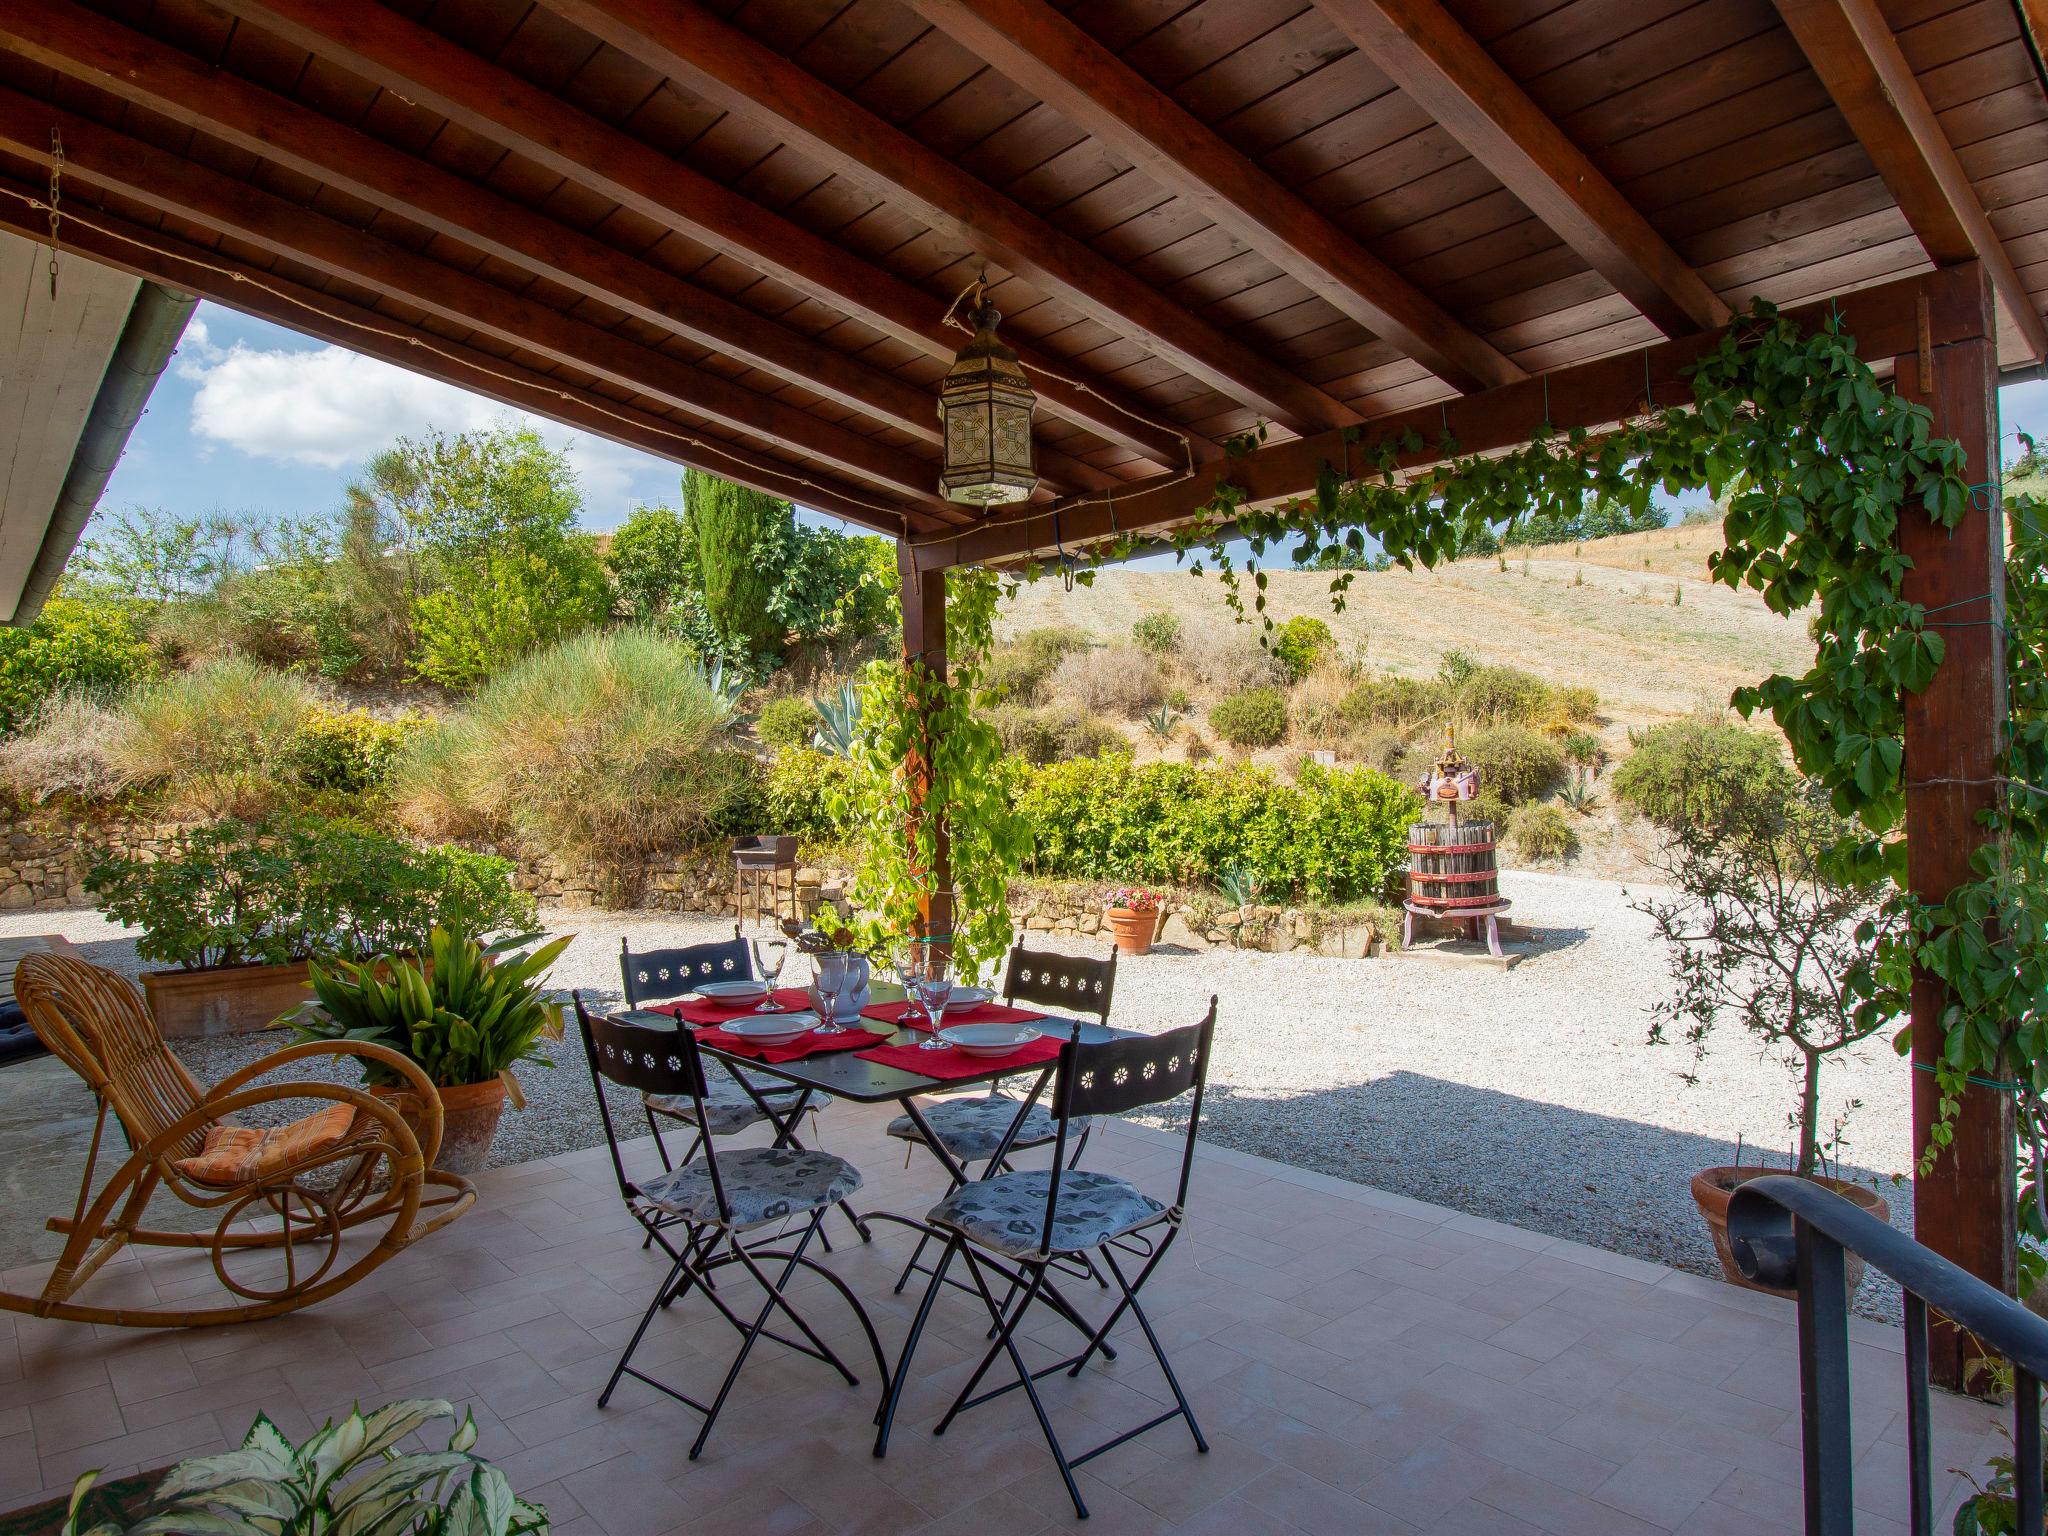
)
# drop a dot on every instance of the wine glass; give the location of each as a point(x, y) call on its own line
point(771, 953)
point(934, 988)
point(907, 961)
point(831, 985)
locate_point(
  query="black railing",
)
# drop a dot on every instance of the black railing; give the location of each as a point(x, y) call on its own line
point(1789, 1232)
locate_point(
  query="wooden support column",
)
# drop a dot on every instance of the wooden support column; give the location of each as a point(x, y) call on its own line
point(1964, 1208)
point(924, 640)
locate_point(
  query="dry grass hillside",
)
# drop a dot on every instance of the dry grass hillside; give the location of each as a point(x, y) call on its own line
point(1600, 614)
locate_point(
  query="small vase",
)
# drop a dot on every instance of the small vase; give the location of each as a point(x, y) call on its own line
point(1132, 929)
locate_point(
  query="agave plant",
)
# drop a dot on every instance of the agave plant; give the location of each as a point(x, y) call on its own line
point(838, 721)
point(1161, 721)
point(467, 1016)
point(725, 683)
point(1578, 794)
point(1241, 885)
point(349, 1479)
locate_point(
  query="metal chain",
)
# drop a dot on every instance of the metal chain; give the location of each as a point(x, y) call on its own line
point(56, 197)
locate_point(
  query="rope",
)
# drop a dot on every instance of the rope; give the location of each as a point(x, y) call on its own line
point(1973, 1079)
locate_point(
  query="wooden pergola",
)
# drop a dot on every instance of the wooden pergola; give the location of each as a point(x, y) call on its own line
point(727, 233)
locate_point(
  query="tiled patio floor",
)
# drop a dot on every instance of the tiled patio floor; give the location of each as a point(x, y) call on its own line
point(1360, 1362)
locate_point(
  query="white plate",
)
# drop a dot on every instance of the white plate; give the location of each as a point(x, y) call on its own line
point(733, 991)
point(771, 1028)
point(969, 997)
point(989, 1039)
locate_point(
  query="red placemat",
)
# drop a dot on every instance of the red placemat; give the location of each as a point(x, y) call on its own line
point(702, 1010)
point(811, 1044)
point(980, 1013)
point(953, 1062)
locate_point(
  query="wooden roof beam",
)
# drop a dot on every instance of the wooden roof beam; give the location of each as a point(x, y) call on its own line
point(423, 67)
point(143, 70)
point(1851, 48)
point(94, 234)
point(1040, 49)
point(722, 65)
point(1597, 395)
point(102, 157)
point(1444, 69)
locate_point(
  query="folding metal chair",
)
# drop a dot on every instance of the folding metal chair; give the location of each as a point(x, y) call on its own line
point(716, 1199)
point(1031, 1219)
point(971, 1129)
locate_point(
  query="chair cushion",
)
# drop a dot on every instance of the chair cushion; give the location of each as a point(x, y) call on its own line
point(244, 1154)
point(1006, 1214)
point(726, 1104)
point(762, 1184)
point(973, 1128)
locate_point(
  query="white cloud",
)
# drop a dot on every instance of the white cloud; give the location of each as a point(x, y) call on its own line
point(333, 408)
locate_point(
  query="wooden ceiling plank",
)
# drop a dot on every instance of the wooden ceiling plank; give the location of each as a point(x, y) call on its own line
point(1035, 46)
point(152, 254)
point(714, 60)
point(1595, 395)
point(1852, 49)
point(1446, 70)
point(102, 157)
point(484, 98)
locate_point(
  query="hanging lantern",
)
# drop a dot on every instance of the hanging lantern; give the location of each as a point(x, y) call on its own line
point(985, 404)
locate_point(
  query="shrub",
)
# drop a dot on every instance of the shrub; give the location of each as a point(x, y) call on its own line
point(603, 751)
point(520, 599)
point(786, 723)
point(1503, 696)
point(1700, 773)
point(1541, 832)
point(1158, 633)
point(1397, 703)
point(1382, 750)
point(1117, 680)
point(237, 893)
point(72, 647)
point(1334, 835)
point(1090, 736)
point(68, 750)
point(1229, 658)
point(802, 794)
point(1315, 709)
point(1578, 703)
point(1040, 736)
point(209, 738)
point(1515, 763)
point(1299, 643)
point(1017, 670)
point(345, 751)
point(1255, 718)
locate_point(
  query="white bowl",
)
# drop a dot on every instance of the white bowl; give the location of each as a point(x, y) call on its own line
point(733, 991)
point(771, 1028)
point(969, 997)
point(989, 1039)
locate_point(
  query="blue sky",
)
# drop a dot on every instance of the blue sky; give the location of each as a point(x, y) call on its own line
point(252, 418)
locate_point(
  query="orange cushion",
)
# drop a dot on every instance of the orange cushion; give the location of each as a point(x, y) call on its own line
point(243, 1154)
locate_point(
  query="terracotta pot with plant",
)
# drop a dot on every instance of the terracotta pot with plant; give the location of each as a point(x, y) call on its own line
point(467, 1012)
point(1764, 930)
point(1131, 914)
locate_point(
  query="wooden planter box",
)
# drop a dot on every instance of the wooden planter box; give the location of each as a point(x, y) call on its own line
point(224, 1000)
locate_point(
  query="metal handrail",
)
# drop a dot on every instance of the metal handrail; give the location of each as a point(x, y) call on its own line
point(1790, 1232)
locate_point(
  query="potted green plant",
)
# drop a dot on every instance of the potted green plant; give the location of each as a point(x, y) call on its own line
point(465, 1011)
point(1131, 914)
point(233, 911)
point(348, 1477)
point(1765, 930)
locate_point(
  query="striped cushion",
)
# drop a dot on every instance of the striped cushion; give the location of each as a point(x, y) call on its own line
point(243, 1154)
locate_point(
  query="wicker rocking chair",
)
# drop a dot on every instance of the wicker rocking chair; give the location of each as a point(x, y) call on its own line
point(286, 1196)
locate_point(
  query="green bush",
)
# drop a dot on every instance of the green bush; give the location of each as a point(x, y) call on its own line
point(604, 751)
point(345, 751)
point(1396, 703)
point(1299, 642)
point(67, 750)
point(1503, 696)
point(1333, 835)
point(72, 647)
point(1158, 633)
point(786, 723)
point(1040, 736)
point(1255, 718)
point(1515, 763)
point(1017, 670)
point(802, 792)
point(210, 738)
point(1701, 773)
point(1541, 832)
point(241, 893)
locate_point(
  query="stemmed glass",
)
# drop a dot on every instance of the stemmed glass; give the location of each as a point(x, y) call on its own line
point(907, 961)
point(832, 985)
point(771, 953)
point(934, 988)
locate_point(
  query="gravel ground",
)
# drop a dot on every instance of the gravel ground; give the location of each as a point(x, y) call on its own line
point(1526, 1095)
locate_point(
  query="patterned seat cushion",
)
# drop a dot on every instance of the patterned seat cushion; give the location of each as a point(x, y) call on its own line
point(1006, 1214)
point(726, 1104)
point(233, 1155)
point(973, 1128)
point(762, 1184)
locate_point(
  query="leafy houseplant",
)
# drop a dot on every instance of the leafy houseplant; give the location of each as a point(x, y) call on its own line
point(1765, 930)
point(1131, 913)
point(349, 1477)
point(467, 1018)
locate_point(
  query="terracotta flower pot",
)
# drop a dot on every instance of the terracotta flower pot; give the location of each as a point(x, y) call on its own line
point(1131, 928)
point(469, 1121)
point(1712, 1188)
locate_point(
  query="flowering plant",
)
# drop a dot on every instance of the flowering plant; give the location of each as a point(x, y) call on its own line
point(1133, 898)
